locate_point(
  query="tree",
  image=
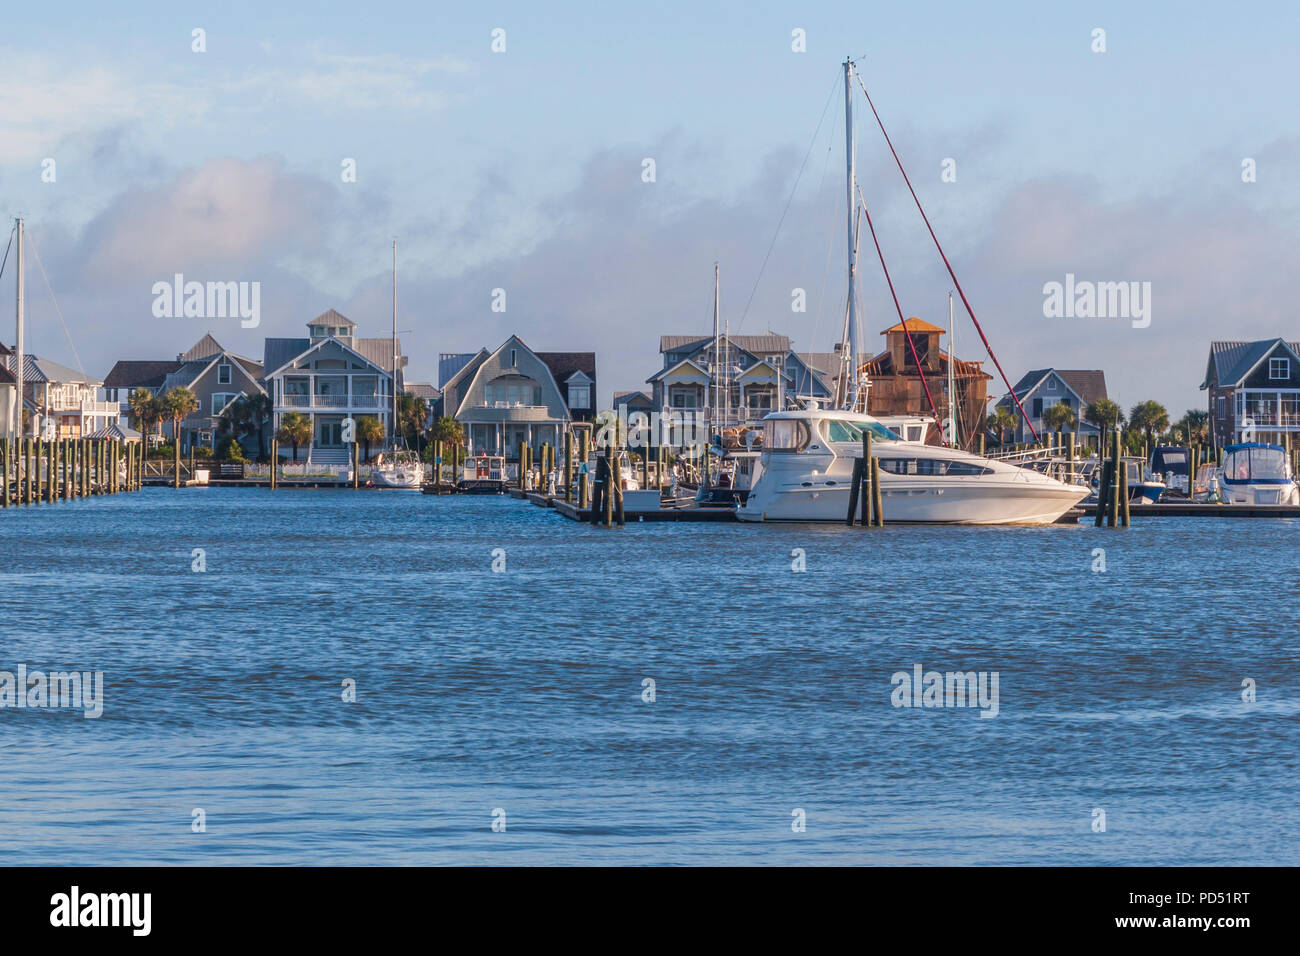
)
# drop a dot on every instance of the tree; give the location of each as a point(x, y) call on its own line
point(178, 404)
point(412, 413)
point(146, 410)
point(369, 430)
point(236, 419)
point(295, 430)
point(1195, 426)
point(259, 412)
point(1059, 417)
point(1150, 418)
point(1104, 414)
point(448, 431)
point(1001, 421)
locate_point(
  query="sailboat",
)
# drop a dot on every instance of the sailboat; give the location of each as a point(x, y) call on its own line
point(398, 467)
point(805, 471)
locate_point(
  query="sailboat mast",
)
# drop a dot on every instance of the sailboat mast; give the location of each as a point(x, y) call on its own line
point(394, 385)
point(850, 345)
point(717, 350)
point(16, 414)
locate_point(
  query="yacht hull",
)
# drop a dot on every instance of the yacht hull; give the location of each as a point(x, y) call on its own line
point(919, 505)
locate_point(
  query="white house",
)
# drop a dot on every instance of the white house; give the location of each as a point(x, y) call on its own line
point(330, 376)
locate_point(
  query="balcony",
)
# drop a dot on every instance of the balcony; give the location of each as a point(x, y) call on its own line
point(334, 403)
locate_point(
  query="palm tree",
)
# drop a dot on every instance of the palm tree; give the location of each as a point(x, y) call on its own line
point(1001, 421)
point(178, 404)
point(369, 430)
point(412, 413)
point(1059, 417)
point(295, 430)
point(1196, 426)
point(259, 410)
point(448, 431)
point(1104, 414)
point(145, 411)
point(1150, 418)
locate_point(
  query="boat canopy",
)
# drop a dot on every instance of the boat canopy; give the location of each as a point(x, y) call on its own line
point(1170, 460)
point(1255, 464)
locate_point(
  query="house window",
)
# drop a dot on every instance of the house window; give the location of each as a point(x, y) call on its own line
point(220, 400)
point(223, 374)
point(579, 396)
point(1038, 408)
point(1279, 368)
point(681, 398)
point(514, 358)
point(1051, 384)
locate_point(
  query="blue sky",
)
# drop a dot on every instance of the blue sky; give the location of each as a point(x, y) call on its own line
point(522, 169)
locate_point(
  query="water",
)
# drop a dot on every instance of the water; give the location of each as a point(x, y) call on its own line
point(522, 690)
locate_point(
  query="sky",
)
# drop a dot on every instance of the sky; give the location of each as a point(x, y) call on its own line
point(523, 170)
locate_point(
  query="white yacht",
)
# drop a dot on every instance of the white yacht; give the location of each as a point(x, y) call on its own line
point(806, 469)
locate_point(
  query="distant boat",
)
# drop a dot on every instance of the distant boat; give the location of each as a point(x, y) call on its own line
point(1171, 464)
point(401, 469)
point(1258, 474)
point(484, 475)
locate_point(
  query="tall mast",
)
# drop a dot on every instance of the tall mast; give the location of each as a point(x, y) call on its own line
point(851, 337)
point(717, 350)
point(394, 345)
point(16, 415)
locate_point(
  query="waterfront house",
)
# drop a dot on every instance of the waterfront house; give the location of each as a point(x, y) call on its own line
point(127, 375)
point(744, 376)
point(1042, 388)
point(60, 402)
point(897, 388)
point(331, 375)
point(217, 377)
point(1253, 390)
point(634, 401)
point(512, 395)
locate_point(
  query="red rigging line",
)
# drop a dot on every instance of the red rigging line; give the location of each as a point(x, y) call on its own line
point(964, 301)
point(906, 331)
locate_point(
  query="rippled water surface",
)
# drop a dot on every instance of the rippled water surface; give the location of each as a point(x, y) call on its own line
point(521, 690)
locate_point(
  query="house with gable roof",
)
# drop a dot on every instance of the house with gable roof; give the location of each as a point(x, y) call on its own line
point(217, 377)
point(61, 402)
point(1040, 389)
point(513, 395)
point(332, 375)
point(762, 373)
point(1253, 390)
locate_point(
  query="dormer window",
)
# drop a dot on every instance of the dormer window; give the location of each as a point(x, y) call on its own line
point(1279, 369)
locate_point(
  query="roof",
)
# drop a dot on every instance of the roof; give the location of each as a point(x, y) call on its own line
point(37, 369)
point(422, 390)
point(633, 397)
point(116, 431)
point(827, 363)
point(205, 347)
point(914, 325)
point(278, 353)
point(1088, 384)
point(564, 364)
point(334, 318)
point(750, 343)
point(1232, 361)
point(7, 377)
point(132, 373)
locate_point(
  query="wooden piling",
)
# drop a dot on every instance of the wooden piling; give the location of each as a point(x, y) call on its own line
point(584, 490)
point(1123, 497)
point(855, 487)
point(877, 493)
point(275, 461)
point(568, 466)
point(4, 473)
point(611, 482)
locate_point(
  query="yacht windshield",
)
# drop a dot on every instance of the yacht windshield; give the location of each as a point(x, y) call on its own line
point(852, 431)
point(1253, 464)
point(785, 434)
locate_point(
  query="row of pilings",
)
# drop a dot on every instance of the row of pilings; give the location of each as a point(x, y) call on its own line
point(36, 471)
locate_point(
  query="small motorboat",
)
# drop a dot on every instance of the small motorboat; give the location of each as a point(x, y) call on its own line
point(1258, 474)
point(1171, 464)
point(1143, 488)
point(484, 475)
